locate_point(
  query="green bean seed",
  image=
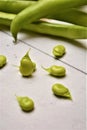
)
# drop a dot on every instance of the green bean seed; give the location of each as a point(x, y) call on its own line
point(25, 103)
point(61, 90)
point(27, 67)
point(2, 60)
point(58, 51)
point(55, 70)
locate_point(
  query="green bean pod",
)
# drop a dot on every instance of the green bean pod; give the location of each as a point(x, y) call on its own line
point(66, 31)
point(73, 14)
point(14, 6)
point(40, 10)
point(61, 30)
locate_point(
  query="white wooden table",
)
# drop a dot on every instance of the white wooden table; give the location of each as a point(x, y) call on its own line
point(51, 112)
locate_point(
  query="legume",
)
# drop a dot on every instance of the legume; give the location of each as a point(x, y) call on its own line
point(55, 70)
point(59, 51)
point(61, 90)
point(2, 60)
point(25, 103)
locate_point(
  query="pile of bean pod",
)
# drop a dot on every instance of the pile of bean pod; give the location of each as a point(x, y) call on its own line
point(34, 15)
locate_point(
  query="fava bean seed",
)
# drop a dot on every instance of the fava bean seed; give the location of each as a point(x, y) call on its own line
point(25, 103)
point(27, 67)
point(55, 70)
point(61, 90)
point(2, 60)
point(58, 51)
point(34, 66)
